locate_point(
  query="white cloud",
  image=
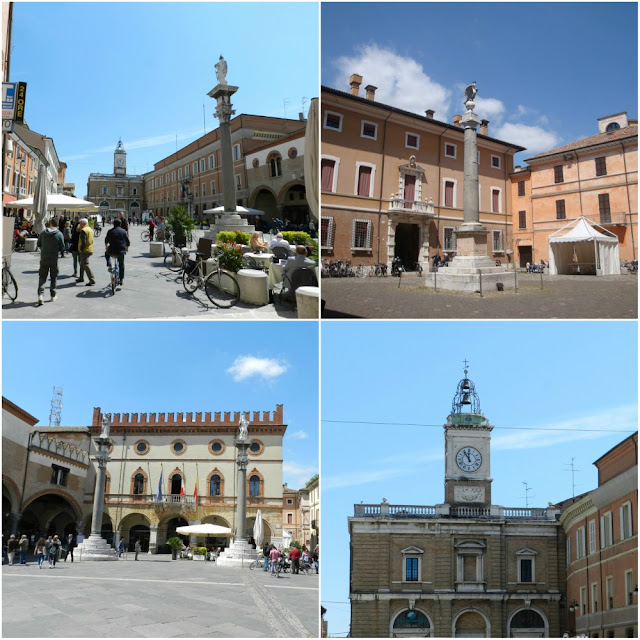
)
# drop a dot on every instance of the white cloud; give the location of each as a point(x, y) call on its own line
point(489, 108)
point(401, 81)
point(248, 366)
point(298, 435)
point(296, 475)
point(534, 139)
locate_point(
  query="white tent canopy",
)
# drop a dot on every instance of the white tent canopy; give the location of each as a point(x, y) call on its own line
point(579, 247)
point(57, 202)
point(204, 529)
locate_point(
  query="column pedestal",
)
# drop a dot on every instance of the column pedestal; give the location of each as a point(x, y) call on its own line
point(95, 548)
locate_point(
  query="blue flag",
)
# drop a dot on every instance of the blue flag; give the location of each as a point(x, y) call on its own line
point(159, 496)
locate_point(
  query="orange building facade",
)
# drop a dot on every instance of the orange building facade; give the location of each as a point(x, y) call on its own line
point(596, 177)
point(392, 182)
point(601, 529)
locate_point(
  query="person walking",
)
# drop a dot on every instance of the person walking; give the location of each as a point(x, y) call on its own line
point(123, 222)
point(66, 234)
point(73, 245)
point(266, 548)
point(24, 547)
point(294, 555)
point(54, 549)
point(39, 551)
point(138, 547)
point(120, 547)
point(61, 222)
point(274, 556)
point(69, 547)
point(117, 244)
point(12, 547)
point(50, 243)
point(316, 557)
point(85, 251)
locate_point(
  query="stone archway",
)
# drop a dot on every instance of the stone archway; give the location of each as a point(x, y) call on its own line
point(528, 623)
point(293, 200)
point(167, 529)
point(10, 506)
point(216, 541)
point(50, 514)
point(471, 623)
point(408, 236)
point(133, 526)
point(411, 623)
point(265, 525)
point(265, 200)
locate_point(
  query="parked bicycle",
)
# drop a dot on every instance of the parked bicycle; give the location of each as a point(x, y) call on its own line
point(630, 265)
point(173, 260)
point(221, 287)
point(114, 268)
point(9, 284)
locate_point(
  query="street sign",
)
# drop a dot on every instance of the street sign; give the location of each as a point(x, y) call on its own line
point(21, 97)
point(8, 99)
point(7, 126)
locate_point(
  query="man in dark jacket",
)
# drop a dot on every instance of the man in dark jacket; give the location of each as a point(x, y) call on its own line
point(117, 242)
point(50, 243)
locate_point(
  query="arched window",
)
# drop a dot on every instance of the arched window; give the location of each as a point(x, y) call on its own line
point(254, 487)
point(411, 620)
point(612, 126)
point(176, 484)
point(138, 484)
point(275, 166)
point(214, 485)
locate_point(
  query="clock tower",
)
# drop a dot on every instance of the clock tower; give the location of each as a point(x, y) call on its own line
point(120, 160)
point(467, 436)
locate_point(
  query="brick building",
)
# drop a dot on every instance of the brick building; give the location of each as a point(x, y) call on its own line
point(601, 529)
point(192, 176)
point(392, 181)
point(596, 177)
point(117, 191)
point(464, 568)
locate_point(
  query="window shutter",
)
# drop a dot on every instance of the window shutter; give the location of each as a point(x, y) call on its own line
point(409, 188)
point(327, 174)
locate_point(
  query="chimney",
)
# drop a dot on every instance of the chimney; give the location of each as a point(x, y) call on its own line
point(484, 127)
point(371, 92)
point(355, 81)
point(430, 113)
point(301, 116)
point(456, 120)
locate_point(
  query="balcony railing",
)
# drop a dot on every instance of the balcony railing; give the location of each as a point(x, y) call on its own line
point(410, 206)
point(615, 219)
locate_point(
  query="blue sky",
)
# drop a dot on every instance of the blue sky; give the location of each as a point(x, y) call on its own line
point(575, 383)
point(141, 71)
point(545, 71)
point(145, 367)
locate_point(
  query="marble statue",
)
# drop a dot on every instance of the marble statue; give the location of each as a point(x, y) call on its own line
point(106, 425)
point(221, 70)
point(470, 93)
point(244, 428)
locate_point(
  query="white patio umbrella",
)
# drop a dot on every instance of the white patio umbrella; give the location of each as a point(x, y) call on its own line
point(311, 158)
point(239, 209)
point(55, 201)
point(204, 529)
point(258, 529)
point(40, 197)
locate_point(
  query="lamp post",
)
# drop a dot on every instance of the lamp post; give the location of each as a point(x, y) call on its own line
point(573, 608)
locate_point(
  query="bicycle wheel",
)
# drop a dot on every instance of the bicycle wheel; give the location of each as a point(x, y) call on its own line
point(222, 289)
point(190, 281)
point(173, 261)
point(254, 564)
point(9, 285)
point(145, 236)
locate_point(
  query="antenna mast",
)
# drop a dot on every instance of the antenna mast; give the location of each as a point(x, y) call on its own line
point(56, 407)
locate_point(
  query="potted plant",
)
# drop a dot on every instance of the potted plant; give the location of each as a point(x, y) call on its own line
point(199, 553)
point(181, 223)
point(229, 256)
point(175, 544)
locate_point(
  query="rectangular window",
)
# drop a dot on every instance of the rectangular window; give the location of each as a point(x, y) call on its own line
point(364, 181)
point(326, 232)
point(521, 188)
point(204, 188)
point(606, 530)
point(203, 165)
point(369, 130)
point(594, 597)
point(497, 240)
point(605, 208)
point(411, 569)
point(581, 547)
point(238, 182)
point(236, 152)
point(327, 170)
point(626, 524)
point(558, 174)
point(526, 570)
point(496, 162)
point(522, 219)
point(289, 518)
point(180, 173)
point(195, 191)
point(361, 234)
point(173, 176)
point(213, 188)
point(592, 536)
point(628, 586)
point(412, 140)
point(450, 150)
point(495, 200)
point(135, 191)
point(601, 166)
point(59, 475)
point(161, 180)
point(7, 177)
point(332, 120)
point(561, 213)
point(195, 168)
point(409, 188)
point(212, 161)
point(609, 589)
point(449, 238)
point(187, 171)
point(469, 568)
point(568, 551)
point(583, 600)
point(448, 193)
point(104, 191)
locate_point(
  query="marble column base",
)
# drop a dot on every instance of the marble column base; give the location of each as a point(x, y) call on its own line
point(237, 554)
point(229, 222)
point(95, 548)
point(463, 274)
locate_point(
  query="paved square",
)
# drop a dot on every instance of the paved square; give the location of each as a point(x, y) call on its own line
point(577, 297)
point(156, 598)
point(150, 291)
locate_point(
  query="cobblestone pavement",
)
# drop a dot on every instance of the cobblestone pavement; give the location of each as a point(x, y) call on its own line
point(149, 291)
point(559, 297)
point(156, 598)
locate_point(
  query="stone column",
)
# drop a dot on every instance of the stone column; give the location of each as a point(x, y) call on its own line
point(153, 538)
point(15, 521)
point(242, 461)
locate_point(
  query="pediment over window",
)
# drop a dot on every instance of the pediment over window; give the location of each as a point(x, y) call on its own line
point(471, 544)
point(526, 552)
point(411, 167)
point(412, 551)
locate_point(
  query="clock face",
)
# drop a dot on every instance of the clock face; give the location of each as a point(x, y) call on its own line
point(468, 459)
point(120, 162)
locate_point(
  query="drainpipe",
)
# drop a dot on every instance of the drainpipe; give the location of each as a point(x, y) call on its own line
point(439, 201)
point(506, 213)
point(633, 243)
point(384, 137)
point(579, 186)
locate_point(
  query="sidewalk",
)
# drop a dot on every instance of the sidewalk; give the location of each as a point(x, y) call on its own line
point(156, 597)
point(150, 291)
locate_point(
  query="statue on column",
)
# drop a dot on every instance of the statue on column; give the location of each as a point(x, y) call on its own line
point(244, 428)
point(106, 425)
point(221, 70)
point(470, 93)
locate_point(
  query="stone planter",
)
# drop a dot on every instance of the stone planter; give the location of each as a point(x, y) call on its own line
point(197, 557)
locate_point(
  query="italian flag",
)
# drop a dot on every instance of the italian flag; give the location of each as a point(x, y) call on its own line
point(195, 491)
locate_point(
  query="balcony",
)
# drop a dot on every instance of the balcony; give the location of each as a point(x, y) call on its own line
point(612, 219)
point(400, 205)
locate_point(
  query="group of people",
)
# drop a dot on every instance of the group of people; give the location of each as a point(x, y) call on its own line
point(50, 549)
point(273, 556)
point(439, 261)
point(122, 546)
point(76, 237)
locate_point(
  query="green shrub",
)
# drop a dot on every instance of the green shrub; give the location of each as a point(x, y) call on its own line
point(229, 256)
point(296, 237)
point(296, 544)
point(180, 222)
point(199, 551)
point(234, 237)
point(175, 543)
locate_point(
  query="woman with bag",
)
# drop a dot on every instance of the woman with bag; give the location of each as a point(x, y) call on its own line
point(54, 549)
point(39, 551)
